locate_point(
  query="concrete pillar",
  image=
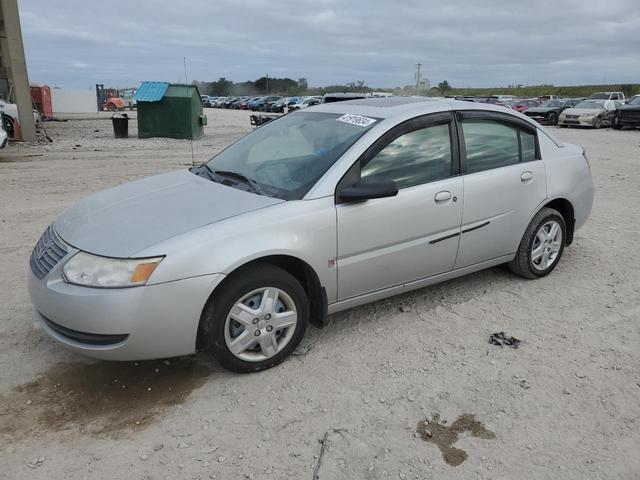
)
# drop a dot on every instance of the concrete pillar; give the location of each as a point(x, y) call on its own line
point(18, 68)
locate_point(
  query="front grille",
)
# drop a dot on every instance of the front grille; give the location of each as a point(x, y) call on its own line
point(97, 339)
point(49, 250)
point(573, 116)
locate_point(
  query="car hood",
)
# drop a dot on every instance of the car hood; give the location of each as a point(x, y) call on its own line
point(121, 221)
point(583, 111)
point(542, 109)
point(628, 107)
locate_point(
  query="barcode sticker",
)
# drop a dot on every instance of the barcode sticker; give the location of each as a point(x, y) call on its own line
point(356, 120)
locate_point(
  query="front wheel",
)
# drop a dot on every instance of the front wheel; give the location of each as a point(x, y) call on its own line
point(597, 123)
point(256, 320)
point(553, 119)
point(541, 246)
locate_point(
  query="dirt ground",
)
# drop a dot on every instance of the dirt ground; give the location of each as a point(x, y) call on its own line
point(375, 386)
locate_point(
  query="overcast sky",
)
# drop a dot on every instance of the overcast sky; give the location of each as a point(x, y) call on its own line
point(77, 43)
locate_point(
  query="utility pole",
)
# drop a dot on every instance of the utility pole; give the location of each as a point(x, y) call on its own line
point(12, 52)
point(267, 84)
point(418, 77)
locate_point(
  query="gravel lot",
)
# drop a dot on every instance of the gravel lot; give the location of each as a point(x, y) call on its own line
point(565, 404)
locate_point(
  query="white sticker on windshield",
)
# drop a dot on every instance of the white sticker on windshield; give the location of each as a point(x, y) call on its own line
point(356, 120)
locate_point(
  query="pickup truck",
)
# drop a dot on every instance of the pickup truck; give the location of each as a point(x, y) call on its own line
point(617, 97)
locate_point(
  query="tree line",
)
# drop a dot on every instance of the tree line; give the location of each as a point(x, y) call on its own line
point(290, 87)
point(273, 86)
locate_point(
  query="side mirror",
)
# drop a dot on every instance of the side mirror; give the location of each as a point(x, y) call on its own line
point(364, 190)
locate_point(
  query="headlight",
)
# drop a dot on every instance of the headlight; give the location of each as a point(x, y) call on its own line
point(94, 271)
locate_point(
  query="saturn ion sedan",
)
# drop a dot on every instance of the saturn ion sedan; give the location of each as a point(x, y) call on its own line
point(318, 211)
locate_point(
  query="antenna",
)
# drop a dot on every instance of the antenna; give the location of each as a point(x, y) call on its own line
point(186, 86)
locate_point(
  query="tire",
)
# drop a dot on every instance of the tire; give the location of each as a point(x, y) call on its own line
point(111, 107)
point(528, 264)
point(553, 119)
point(240, 292)
point(616, 122)
point(597, 123)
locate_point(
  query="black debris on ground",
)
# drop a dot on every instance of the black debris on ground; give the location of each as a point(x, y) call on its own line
point(502, 340)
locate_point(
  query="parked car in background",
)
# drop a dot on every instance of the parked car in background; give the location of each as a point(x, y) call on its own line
point(244, 105)
point(305, 102)
point(589, 113)
point(266, 103)
point(127, 96)
point(543, 98)
point(220, 101)
point(9, 114)
point(628, 115)
point(617, 97)
point(279, 106)
point(137, 272)
point(521, 105)
point(253, 103)
point(261, 104)
point(4, 137)
point(549, 111)
point(341, 97)
point(235, 105)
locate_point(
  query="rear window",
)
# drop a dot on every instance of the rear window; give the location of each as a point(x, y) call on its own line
point(492, 144)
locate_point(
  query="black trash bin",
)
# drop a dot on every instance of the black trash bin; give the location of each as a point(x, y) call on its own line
point(120, 125)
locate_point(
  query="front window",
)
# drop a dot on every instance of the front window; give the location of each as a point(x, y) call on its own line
point(412, 159)
point(552, 103)
point(287, 156)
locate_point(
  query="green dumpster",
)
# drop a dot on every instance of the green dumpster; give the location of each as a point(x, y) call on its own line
point(169, 110)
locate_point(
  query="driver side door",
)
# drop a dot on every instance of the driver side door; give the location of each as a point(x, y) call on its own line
point(386, 242)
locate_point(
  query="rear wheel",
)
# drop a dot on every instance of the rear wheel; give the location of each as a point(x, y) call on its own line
point(541, 246)
point(553, 119)
point(256, 320)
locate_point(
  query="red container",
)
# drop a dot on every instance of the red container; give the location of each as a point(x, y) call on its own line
point(41, 97)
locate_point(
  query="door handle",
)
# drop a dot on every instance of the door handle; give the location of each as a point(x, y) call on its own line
point(526, 176)
point(443, 196)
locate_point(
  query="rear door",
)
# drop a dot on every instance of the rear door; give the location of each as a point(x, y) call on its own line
point(504, 184)
point(389, 241)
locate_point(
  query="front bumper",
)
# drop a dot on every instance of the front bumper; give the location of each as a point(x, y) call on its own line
point(541, 119)
point(576, 122)
point(138, 323)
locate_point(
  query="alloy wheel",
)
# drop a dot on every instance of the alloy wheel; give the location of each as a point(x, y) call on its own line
point(260, 324)
point(546, 245)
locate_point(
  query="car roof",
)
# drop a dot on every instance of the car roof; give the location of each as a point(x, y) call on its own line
point(389, 107)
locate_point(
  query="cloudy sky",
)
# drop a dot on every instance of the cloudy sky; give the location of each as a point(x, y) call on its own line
point(77, 43)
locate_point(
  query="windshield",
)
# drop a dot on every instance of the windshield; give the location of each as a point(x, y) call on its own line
point(592, 105)
point(599, 96)
point(635, 101)
point(287, 156)
point(552, 103)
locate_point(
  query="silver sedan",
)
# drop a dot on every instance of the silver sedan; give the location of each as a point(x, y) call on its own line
point(319, 211)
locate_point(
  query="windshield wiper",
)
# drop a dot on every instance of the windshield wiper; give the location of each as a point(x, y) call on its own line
point(255, 186)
